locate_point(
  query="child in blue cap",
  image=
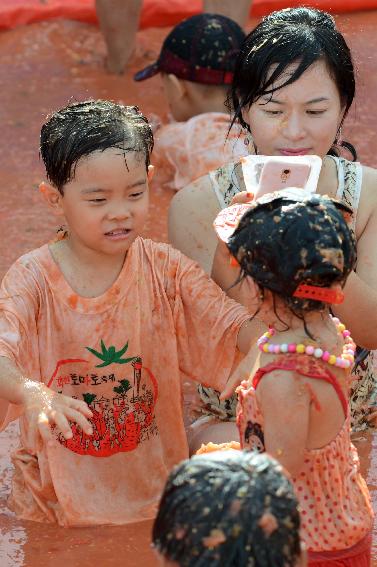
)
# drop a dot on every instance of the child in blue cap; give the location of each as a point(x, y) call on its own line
point(196, 65)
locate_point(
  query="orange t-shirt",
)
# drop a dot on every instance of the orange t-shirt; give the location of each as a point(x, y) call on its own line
point(126, 353)
point(184, 151)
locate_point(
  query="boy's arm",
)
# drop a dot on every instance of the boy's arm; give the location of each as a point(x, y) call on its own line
point(225, 274)
point(248, 335)
point(246, 368)
point(43, 405)
point(19, 311)
point(210, 326)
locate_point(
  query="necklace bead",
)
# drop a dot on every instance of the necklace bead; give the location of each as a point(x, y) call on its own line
point(345, 360)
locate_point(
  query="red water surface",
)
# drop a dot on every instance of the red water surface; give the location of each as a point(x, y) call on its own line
point(42, 67)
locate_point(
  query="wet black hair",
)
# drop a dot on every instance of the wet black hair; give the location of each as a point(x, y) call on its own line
point(282, 243)
point(82, 128)
point(235, 510)
point(293, 35)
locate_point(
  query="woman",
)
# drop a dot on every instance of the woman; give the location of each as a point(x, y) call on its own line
point(293, 86)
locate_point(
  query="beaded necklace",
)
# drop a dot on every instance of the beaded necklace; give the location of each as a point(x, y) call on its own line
point(345, 360)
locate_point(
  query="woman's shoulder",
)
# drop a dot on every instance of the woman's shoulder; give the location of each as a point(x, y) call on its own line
point(368, 198)
point(369, 178)
point(197, 194)
point(356, 187)
point(368, 173)
point(218, 186)
point(190, 219)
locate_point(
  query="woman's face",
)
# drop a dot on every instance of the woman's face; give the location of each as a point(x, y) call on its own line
point(299, 119)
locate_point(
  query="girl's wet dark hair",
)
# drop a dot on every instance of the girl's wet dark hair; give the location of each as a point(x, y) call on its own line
point(293, 35)
point(282, 243)
point(235, 510)
point(82, 128)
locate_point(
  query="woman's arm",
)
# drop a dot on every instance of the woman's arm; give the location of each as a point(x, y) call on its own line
point(359, 310)
point(191, 215)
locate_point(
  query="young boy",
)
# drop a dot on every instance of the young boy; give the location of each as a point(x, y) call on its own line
point(99, 328)
point(196, 64)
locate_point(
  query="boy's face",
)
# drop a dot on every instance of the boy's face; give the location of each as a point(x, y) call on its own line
point(106, 204)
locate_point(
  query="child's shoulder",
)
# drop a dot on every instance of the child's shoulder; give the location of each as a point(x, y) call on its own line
point(158, 252)
point(162, 258)
point(27, 276)
point(31, 262)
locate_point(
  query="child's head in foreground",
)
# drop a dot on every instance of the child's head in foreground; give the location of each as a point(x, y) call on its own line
point(228, 509)
point(196, 63)
point(97, 159)
point(298, 252)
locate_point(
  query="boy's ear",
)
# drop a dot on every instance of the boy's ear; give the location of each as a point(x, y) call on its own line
point(53, 197)
point(178, 85)
point(150, 173)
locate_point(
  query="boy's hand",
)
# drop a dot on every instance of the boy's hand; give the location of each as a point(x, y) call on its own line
point(45, 408)
point(244, 371)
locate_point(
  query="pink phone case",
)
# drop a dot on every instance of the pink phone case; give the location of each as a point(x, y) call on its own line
point(276, 176)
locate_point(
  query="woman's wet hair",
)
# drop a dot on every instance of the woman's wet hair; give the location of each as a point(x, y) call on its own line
point(229, 509)
point(282, 243)
point(82, 128)
point(299, 36)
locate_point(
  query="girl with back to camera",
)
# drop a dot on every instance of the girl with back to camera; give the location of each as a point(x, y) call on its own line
point(297, 253)
point(293, 87)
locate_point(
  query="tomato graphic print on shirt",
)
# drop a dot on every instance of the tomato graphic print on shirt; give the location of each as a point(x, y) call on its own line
point(120, 392)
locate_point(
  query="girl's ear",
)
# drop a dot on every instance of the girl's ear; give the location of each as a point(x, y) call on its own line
point(150, 173)
point(53, 198)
